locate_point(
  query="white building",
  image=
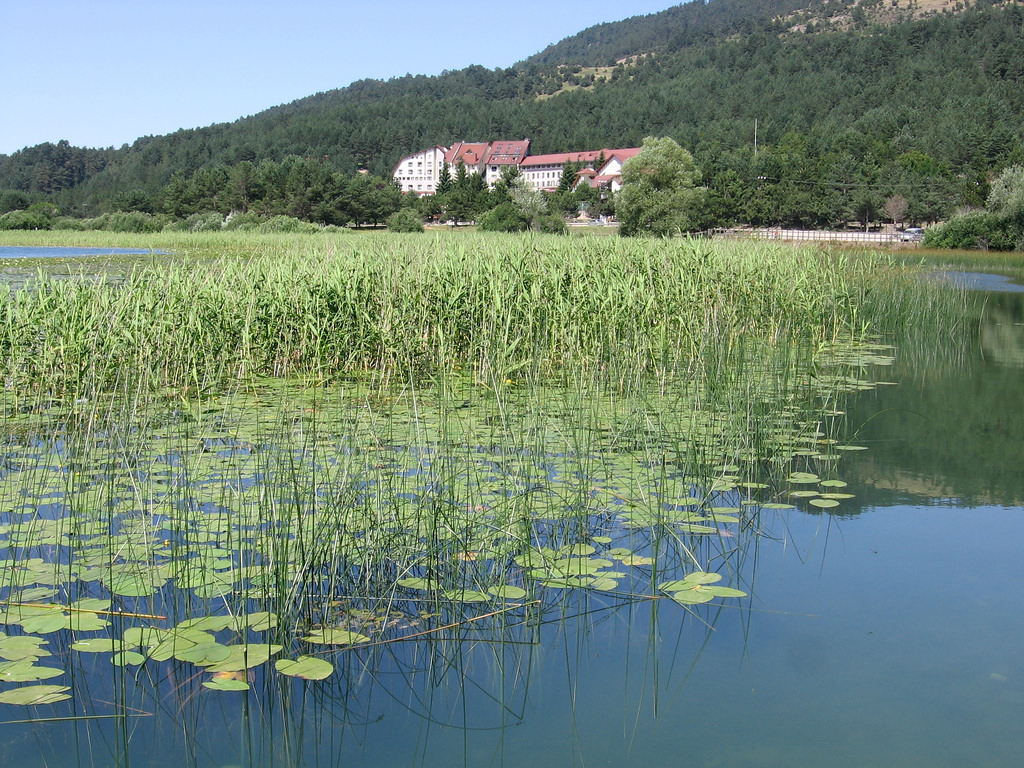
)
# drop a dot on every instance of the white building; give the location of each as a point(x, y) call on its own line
point(501, 155)
point(602, 168)
point(599, 168)
point(419, 173)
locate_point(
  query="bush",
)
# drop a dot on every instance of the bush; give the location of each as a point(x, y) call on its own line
point(208, 221)
point(287, 224)
point(405, 220)
point(12, 200)
point(976, 229)
point(30, 219)
point(129, 221)
point(243, 222)
point(552, 224)
point(69, 224)
point(505, 217)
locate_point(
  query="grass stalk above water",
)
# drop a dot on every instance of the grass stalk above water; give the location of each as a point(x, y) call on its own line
point(227, 309)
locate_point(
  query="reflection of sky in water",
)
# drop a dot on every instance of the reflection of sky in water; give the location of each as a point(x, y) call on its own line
point(63, 252)
point(20, 266)
point(984, 281)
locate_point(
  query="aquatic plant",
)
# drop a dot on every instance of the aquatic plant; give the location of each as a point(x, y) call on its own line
point(400, 306)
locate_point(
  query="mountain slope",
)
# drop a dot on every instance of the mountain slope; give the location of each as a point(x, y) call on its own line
point(839, 96)
point(676, 27)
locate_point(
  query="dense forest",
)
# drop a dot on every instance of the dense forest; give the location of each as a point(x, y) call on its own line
point(796, 114)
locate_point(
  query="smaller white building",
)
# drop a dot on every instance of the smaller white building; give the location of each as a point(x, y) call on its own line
point(419, 173)
point(609, 175)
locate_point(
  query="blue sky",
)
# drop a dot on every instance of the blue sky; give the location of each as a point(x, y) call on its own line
point(103, 73)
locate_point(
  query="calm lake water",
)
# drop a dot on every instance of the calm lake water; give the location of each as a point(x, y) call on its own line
point(62, 252)
point(20, 265)
point(885, 634)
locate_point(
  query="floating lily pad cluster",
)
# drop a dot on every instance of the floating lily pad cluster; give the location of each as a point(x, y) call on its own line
point(21, 655)
point(698, 587)
point(280, 519)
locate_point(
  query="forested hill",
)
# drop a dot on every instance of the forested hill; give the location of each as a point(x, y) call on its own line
point(847, 95)
point(680, 26)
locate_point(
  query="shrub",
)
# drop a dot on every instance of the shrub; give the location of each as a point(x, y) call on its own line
point(12, 200)
point(405, 220)
point(69, 224)
point(129, 221)
point(975, 229)
point(243, 222)
point(287, 224)
point(207, 221)
point(505, 217)
point(552, 224)
point(30, 219)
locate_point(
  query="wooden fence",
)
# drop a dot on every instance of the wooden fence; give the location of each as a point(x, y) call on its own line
point(818, 235)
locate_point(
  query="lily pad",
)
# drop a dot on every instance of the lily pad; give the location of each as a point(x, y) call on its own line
point(26, 671)
point(45, 624)
point(637, 560)
point(245, 657)
point(226, 684)
point(723, 591)
point(22, 647)
point(204, 654)
point(33, 695)
point(335, 636)
point(100, 645)
point(86, 622)
point(466, 596)
point(692, 596)
point(306, 667)
point(417, 583)
point(824, 503)
point(147, 637)
point(125, 658)
point(507, 592)
point(803, 494)
point(261, 621)
point(132, 585)
point(702, 577)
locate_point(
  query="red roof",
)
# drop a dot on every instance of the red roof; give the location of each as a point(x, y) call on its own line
point(589, 157)
point(560, 158)
point(498, 153)
point(508, 152)
point(622, 155)
point(470, 154)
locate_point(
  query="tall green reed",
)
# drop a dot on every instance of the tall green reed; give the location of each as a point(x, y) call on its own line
point(498, 307)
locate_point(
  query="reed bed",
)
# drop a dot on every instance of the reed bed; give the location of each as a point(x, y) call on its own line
point(229, 308)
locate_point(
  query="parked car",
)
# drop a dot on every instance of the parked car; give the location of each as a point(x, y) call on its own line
point(912, 234)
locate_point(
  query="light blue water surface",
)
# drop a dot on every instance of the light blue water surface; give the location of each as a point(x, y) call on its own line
point(62, 252)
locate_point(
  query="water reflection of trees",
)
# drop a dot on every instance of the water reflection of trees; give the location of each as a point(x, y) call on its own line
point(954, 427)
